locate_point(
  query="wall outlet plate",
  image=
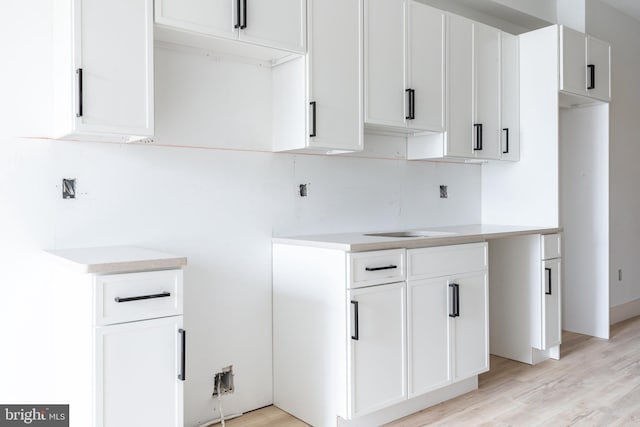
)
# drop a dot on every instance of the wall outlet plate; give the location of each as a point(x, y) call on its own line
point(68, 188)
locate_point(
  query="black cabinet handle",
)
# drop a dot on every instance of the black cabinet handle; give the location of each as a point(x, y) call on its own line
point(412, 104)
point(387, 267)
point(79, 73)
point(592, 76)
point(355, 337)
point(313, 119)
point(478, 146)
point(507, 141)
point(183, 362)
point(140, 297)
point(548, 271)
point(244, 15)
point(238, 23)
point(455, 300)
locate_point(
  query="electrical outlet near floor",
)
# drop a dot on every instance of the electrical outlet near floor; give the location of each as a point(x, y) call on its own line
point(223, 381)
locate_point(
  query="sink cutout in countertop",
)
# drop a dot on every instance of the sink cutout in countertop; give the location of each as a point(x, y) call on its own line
point(413, 233)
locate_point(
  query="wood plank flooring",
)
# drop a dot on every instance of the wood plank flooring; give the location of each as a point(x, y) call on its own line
point(595, 383)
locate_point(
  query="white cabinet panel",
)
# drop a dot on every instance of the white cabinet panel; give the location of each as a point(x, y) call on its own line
point(137, 367)
point(426, 46)
point(216, 18)
point(460, 111)
point(598, 69)
point(510, 97)
point(318, 101)
point(334, 70)
point(486, 57)
point(376, 267)
point(551, 304)
point(404, 66)
point(385, 77)
point(275, 23)
point(428, 335)
point(471, 355)
point(103, 70)
point(573, 56)
point(377, 354)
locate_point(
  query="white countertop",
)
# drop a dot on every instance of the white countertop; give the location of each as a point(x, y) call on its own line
point(116, 259)
point(355, 242)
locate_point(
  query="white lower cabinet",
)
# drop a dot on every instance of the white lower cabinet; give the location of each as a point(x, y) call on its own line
point(525, 297)
point(121, 335)
point(471, 354)
point(355, 334)
point(447, 316)
point(137, 368)
point(377, 367)
point(428, 329)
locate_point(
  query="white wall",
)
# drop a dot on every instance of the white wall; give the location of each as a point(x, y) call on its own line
point(623, 33)
point(219, 207)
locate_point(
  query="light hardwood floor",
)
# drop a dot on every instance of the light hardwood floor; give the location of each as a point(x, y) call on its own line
point(595, 383)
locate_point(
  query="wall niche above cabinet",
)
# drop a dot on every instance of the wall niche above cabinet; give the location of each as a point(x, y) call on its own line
point(265, 30)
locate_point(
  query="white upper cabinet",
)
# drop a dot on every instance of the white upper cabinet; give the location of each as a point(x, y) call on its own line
point(584, 65)
point(317, 103)
point(404, 50)
point(486, 61)
point(277, 24)
point(97, 97)
point(510, 98)
point(473, 113)
point(598, 69)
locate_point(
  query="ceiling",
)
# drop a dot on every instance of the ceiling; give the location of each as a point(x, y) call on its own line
point(629, 7)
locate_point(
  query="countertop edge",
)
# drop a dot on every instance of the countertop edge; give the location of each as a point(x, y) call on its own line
point(412, 243)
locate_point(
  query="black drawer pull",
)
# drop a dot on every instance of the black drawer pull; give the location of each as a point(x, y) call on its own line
point(548, 271)
point(387, 267)
point(455, 301)
point(141, 297)
point(356, 336)
point(183, 355)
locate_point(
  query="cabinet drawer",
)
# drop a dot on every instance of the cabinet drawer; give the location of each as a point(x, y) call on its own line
point(372, 268)
point(550, 246)
point(137, 296)
point(446, 260)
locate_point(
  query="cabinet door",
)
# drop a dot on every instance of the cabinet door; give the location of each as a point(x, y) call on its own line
point(384, 56)
point(137, 367)
point(551, 304)
point(215, 18)
point(275, 23)
point(426, 51)
point(487, 90)
point(598, 56)
point(471, 345)
point(377, 367)
point(428, 335)
point(460, 130)
point(510, 95)
point(573, 60)
point(334, 74)
point(114, 50)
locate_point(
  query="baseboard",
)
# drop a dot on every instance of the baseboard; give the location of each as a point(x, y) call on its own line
point(412, 406)
point(624, 311)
